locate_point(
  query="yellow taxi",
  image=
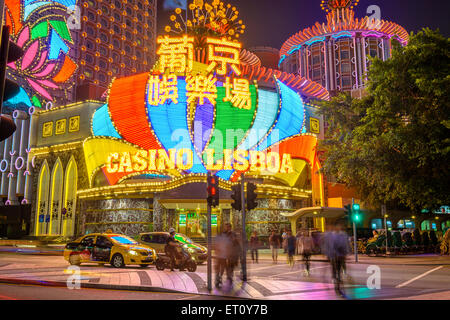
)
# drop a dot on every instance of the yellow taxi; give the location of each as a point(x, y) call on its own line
point(115, 249)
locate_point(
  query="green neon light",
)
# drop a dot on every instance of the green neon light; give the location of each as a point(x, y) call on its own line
point(40, 30)
point(229, 117)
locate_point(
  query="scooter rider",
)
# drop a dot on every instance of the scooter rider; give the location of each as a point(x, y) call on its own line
point(172, 248)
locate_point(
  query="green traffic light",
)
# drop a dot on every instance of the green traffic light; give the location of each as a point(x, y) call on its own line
point(356, 206)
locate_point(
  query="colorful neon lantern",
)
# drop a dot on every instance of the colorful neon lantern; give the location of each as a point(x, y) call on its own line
point(40, 29)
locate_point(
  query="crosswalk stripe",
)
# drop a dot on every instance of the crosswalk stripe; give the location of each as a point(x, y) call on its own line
point(154, 277)
point(189, 283)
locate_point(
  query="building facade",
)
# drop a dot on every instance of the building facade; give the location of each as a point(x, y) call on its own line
point(337, 53)
point(116, 38)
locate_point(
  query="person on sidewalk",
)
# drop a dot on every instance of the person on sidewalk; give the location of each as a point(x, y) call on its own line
point(254, 243)
point(305, 248)
point(284, 240)
point(291, 244)
point(274, 243)
point(227, 255)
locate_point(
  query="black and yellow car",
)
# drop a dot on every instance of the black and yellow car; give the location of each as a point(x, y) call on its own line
point(158, 240)
point(115, 249)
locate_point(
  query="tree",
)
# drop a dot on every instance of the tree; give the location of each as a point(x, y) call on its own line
point(394, 144)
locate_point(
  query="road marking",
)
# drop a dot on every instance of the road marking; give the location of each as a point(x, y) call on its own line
point(302, 270)
point(418, 277)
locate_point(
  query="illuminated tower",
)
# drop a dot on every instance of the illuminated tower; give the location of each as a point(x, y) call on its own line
point(116, 38)
point(336, 53)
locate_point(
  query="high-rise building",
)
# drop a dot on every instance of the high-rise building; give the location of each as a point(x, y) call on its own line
point(116, 38)
point(336, 53)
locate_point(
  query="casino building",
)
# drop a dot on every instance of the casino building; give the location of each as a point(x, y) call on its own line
point(139, 161)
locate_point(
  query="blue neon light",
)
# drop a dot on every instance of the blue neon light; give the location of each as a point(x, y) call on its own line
point(314, 40)
point(170, 124)
point(290, 119)
point(102, 124)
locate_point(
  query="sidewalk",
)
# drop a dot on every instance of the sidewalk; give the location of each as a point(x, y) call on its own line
point(151, 280)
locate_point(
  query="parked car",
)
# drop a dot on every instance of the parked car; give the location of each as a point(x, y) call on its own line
point(115, 249)
point(158, 240)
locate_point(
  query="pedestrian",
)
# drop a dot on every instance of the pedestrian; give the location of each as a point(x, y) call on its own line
point(306, 246)
point(337, 249)
point(275, 243)
point(222, 249)
point(284, 240)
point(291, 244)
point(235, 254)
point(254, 243)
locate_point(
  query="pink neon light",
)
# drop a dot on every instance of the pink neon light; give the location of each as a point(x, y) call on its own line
point(48, 83)
point(40, 90)
point(12, 65)
point(48, 69)
point(41, 62)
point(23, 37)
point(30, 54)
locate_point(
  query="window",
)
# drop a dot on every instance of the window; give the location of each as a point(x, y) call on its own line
point(316, 74)
point(102, 64)
point(104, 22)
point(373, 53)
point(91, 16)
point(102, 77)
point(128, 22)
point(116, 29)
point(138, 54)
point(90, 45)
point(88, 241)
point(118, 4)
point(117, 17)
point(116, 57)
point(103, 242)
point(103, 37)
point(127, 49)
point(316, 60)
point(129, 11)
point(116, 43)
point(90, 31)
point(128, 35)
point(88, 73)
point(127, 61)
point(139, 41)
point(139, 4)
point(139, 28)
point(103, 51)
point(345, 68)
point(105, 10)
point(345, 54)
point(89, 58)
point(346, 81)
point(139, 16)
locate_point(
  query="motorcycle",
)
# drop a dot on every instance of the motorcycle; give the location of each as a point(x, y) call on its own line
point(186, 262)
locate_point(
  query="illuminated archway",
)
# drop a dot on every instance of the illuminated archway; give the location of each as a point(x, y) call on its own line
point(56, 198)
point(41, 226)
point(70, 197)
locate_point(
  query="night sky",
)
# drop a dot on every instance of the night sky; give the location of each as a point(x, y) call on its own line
point(272, 22)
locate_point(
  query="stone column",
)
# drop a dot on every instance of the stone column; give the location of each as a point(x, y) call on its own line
point(157, 213)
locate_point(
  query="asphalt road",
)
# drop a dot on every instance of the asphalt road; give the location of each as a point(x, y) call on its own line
point(397, 279)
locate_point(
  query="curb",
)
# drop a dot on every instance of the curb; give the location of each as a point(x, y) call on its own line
point(63, 284)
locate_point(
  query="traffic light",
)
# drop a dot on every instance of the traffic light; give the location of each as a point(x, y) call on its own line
point(251, 196)
point(348, 210)
point(213, 190)
point(356, 213)
point(236, 196)
point(9, 52)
